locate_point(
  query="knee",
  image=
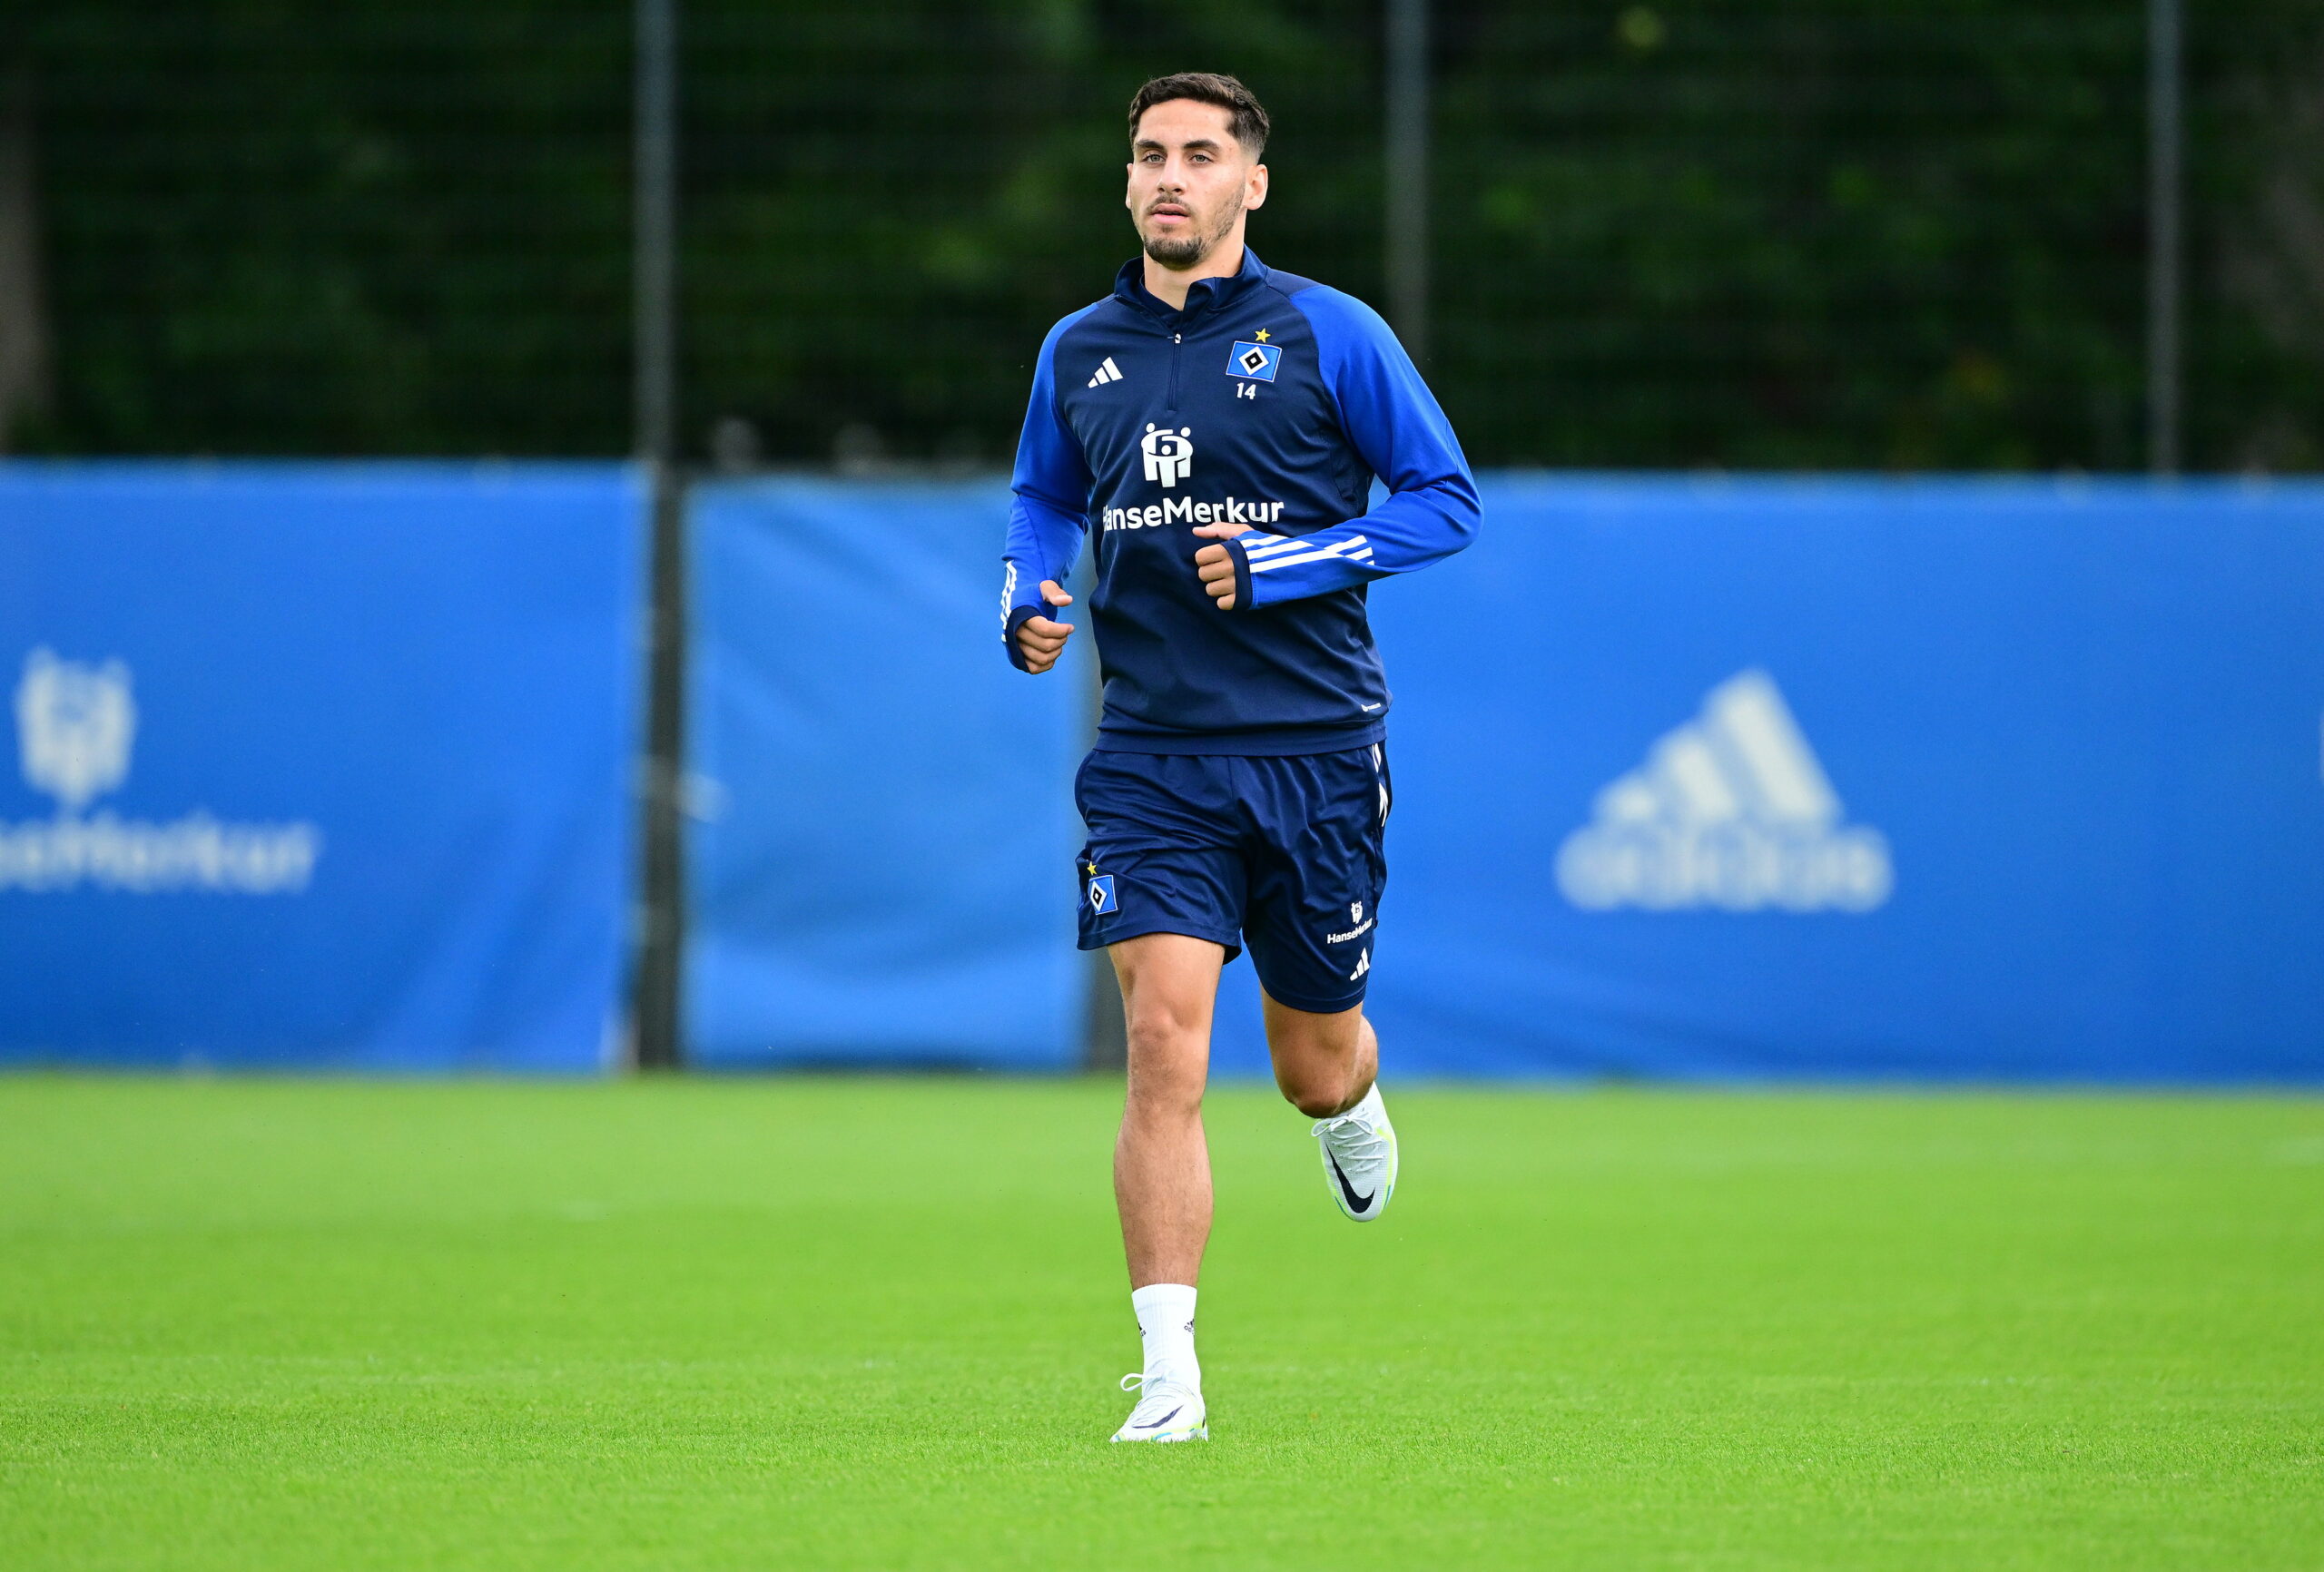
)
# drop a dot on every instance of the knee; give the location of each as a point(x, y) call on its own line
point(1167, 1059)
point(1321, 1062)
point(1317, 1108)
point(1319, 1095)
point(1159, 1037)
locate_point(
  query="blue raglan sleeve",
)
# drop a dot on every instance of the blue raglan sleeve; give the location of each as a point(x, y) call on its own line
point(1048, 508)
point(1396, 426)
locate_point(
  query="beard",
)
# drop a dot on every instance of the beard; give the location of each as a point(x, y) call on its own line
point(1184, 250)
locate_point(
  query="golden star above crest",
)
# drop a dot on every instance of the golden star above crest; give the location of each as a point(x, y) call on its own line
point(1261, 335)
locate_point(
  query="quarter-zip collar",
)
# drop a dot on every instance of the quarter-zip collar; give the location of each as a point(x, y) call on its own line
point(1205, 296)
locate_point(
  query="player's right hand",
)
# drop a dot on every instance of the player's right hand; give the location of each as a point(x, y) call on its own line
point(1040, 640)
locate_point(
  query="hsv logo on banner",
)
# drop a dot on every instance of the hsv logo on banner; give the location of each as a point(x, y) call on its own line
point(1731, 811)
point(75, 727)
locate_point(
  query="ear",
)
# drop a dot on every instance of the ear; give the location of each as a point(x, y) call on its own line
point(1255, 188)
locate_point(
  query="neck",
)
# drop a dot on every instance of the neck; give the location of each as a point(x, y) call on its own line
point(1170, 285)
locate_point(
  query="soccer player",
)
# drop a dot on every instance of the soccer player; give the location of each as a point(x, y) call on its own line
point(1218, 426)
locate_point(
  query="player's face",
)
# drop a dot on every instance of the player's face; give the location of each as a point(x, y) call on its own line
point(1190, 181)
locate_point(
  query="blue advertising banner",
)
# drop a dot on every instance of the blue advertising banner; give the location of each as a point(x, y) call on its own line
point(1837, 780)
point(880, 865)
point(317, 766)
point(1856, 780)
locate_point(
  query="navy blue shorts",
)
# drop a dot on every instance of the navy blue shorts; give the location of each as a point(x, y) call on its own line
point(1284, 854)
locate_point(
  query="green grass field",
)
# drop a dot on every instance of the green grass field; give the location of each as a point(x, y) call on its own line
point(878, 1323)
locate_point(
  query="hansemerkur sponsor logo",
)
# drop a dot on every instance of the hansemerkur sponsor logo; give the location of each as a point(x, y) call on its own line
point(1170, 458)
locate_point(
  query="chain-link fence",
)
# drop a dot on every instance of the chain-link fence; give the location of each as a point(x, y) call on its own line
point(1836, 233)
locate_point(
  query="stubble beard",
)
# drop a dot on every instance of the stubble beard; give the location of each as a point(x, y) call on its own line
point(1188, 250)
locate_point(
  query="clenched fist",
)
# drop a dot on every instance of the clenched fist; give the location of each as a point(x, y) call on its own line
point(1040, 640)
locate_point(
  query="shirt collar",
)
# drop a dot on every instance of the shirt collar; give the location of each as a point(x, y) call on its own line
point(1207, 295)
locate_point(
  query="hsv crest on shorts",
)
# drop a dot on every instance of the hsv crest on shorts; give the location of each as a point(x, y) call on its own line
point(1101, 895)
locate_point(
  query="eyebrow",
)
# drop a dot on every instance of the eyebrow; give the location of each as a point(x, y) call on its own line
point(1201, 143)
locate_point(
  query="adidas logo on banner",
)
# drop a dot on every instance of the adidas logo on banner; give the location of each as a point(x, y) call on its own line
point(1106, 372)
point(1730, 812)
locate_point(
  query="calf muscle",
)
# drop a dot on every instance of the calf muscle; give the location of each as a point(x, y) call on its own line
point(1170, 983)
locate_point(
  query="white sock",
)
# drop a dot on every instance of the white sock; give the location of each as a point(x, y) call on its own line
point(1166, 1323)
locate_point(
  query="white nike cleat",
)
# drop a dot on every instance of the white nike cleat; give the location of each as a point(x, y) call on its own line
point(1360, 1157)
point(1167, 1411)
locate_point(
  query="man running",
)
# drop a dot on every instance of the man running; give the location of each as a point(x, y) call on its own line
point(1220, 425)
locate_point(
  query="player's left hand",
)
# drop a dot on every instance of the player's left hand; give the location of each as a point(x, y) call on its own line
point(1216, 563)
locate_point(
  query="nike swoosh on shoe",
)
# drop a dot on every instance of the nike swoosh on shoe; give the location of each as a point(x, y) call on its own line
point(1356, 1202)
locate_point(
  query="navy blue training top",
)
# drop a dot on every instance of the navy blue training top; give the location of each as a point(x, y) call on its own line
point(1272, 402)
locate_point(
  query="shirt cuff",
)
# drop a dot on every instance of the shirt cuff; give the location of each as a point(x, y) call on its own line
point(1242, 561)
point(1018, 617)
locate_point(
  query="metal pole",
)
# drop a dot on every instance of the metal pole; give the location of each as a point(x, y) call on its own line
point(2165, 65)
point(655, 217)
point(1408, 172)
point(660, 928)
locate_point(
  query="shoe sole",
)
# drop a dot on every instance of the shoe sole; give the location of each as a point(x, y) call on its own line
point(1200, 1433)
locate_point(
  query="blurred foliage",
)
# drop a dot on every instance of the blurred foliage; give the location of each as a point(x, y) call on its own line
point(281, 226)
point(1865, 233)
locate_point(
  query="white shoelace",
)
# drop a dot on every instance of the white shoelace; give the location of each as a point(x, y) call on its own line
point(1158, 1401)
point(1366, 1144)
